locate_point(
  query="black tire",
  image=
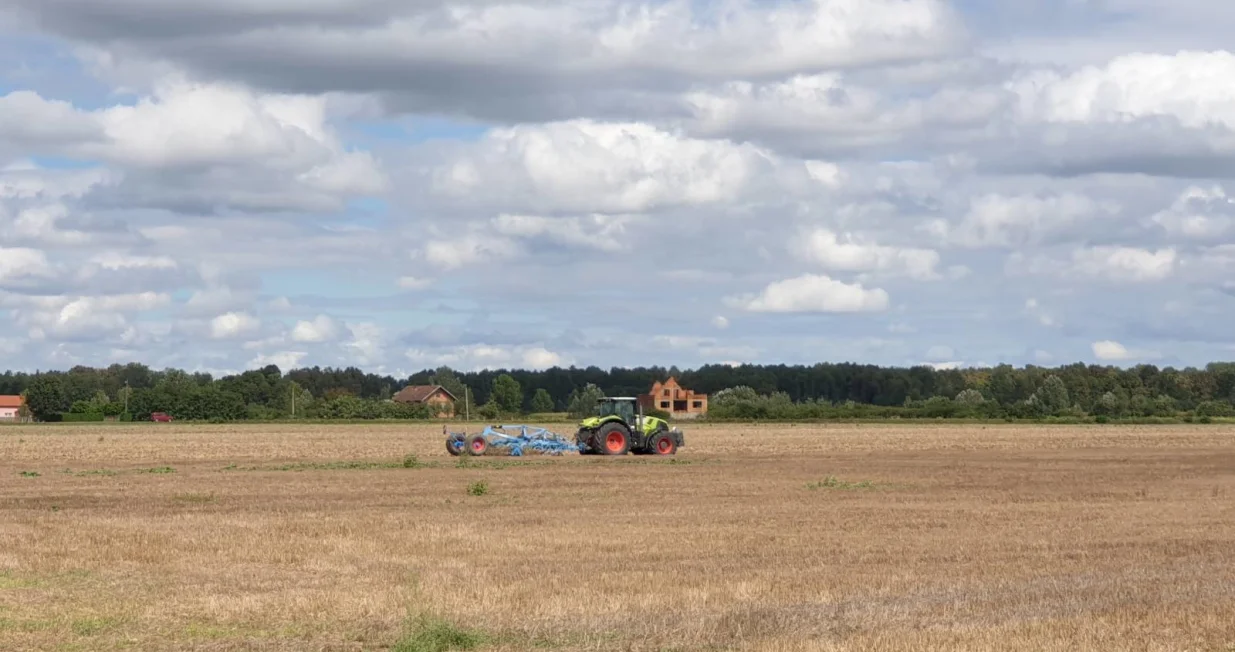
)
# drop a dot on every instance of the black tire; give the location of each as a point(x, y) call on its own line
point(662, 443)
point(454, 445)
point(612, 439)
point(643, 443)
point(476, 445)
point(583, 439)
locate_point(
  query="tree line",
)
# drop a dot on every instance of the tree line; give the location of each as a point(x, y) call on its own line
point(819, 391)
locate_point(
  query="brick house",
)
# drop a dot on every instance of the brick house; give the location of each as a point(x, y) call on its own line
point(432, 395)
point(671, 397)
point(10, 407)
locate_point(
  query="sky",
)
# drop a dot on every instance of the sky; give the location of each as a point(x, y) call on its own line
point(488, 184)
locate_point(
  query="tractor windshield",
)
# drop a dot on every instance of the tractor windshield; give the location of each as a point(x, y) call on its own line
point(622, 408)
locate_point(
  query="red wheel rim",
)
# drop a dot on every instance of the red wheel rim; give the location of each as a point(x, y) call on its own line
point(664, 446)
point(615, 441)
point(478, 446)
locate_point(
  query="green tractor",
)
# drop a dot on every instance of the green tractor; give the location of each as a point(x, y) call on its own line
point(620, 427)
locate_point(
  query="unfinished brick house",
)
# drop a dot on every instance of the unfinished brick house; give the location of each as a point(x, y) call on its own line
point(671, 397)
point(434, 396)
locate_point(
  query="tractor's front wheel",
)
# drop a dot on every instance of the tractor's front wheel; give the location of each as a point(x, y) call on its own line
point(612, 439)
point(663, 444)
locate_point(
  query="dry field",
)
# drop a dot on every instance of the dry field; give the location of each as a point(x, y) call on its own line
point(926, 537)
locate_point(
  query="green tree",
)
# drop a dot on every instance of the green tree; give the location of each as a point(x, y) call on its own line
point(100, 402)
point(507, 394)
point(1053, 395)
point(584, 403)
point(124, 396)
point(939, 407)
point(541, 401)
point(299, 400)
point(732, 396)
point(970, 398)
point(1109, 404)
point(46, 397)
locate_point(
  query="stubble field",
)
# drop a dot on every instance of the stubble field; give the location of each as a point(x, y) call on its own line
point(845, 537)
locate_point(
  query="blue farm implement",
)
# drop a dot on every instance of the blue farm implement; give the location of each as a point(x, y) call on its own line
point(514, 439)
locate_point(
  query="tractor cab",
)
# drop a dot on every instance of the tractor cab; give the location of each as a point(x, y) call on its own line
point(622, 407)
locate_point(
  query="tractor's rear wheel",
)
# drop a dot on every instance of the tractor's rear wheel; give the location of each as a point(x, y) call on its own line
point(612, 439)
point(477, 445)
point(663, 444)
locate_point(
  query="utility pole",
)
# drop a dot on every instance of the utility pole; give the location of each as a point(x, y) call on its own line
point(126, 397)
point(467, 405)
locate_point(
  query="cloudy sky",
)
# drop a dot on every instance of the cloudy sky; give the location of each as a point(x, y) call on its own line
point(487, 183)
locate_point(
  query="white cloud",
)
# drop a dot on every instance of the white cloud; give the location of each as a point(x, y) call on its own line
point(1193, 88)
point(1040, 314)
point(258, 151)
point(366, 343)
point(233, 325)
point(1199, 214)
point(946, 366)
point(540, 358)
point(25, 180)
point(81, 318)
point(476, 357)
point(586, 166)
point(414, 283)
point(18, 264)
point(118, 261)
point(1125, 263)
point(187, 124)
point(830, 175)
point(466, 249)
point(720, 322)
point(600, 232)
point(814, 293)
point(284, 360)
point(1112, 351)
point(321, 329)
point(825, 248)
point(996, 220)
point(215, 299)
point(28, 119)
point(1114, 263)
point(818, 112)
point(44, 224)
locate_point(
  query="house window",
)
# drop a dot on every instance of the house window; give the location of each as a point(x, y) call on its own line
point(666, 393)
point(698, 405)
point(664, 405)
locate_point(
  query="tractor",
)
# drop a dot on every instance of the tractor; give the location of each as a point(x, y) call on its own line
point(619, 427)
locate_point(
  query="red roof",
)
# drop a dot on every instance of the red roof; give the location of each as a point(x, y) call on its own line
point(11, 401)
point(419, 393)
